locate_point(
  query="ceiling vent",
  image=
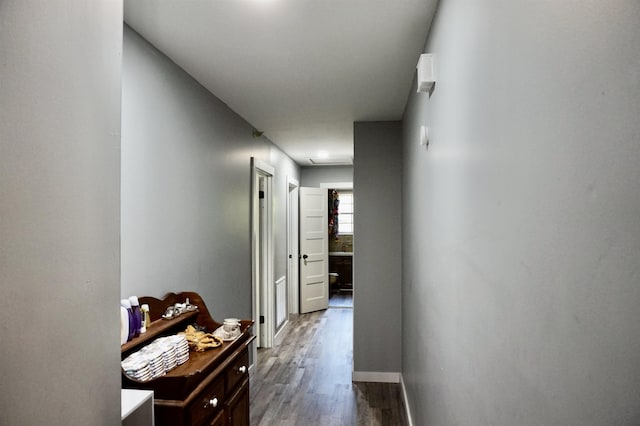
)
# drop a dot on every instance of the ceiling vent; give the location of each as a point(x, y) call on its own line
point(330, 161)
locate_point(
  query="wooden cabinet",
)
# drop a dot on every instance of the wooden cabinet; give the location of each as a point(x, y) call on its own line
point(212, 388)
point(238, 406)
point(219, 420)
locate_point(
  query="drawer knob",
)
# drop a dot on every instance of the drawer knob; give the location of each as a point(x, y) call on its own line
point(242, 370)
point(213, 402)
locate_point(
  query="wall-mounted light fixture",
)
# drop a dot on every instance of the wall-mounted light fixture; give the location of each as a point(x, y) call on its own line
point(426, 73)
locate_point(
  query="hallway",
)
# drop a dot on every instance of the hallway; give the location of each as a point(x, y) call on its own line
point(341, 299)
point(307, 379)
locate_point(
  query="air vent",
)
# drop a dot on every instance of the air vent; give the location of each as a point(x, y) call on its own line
point(330, 161)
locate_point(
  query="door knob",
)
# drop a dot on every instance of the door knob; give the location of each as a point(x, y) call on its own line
point(304, 256)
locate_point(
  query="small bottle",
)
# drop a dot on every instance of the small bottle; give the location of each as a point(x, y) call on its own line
point(127, 305)
point(124, 325)
point(146, 318)
point(137, 316)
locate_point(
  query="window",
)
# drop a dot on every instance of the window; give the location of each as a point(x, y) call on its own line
point(345, 212)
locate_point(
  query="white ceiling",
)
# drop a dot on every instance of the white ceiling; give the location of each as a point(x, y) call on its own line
point(302, 71)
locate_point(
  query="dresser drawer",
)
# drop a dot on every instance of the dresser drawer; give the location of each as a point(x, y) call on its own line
point(208, 402)
point(238, 370)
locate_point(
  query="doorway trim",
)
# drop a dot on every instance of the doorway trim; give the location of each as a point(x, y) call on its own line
point(262, 297)
point(292, 244)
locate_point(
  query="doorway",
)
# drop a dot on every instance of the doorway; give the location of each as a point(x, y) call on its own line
point(341, 238)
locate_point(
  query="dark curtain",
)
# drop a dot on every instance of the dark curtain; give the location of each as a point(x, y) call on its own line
point(334, 202)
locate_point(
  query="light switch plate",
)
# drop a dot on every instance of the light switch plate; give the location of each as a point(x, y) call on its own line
point(424, 136)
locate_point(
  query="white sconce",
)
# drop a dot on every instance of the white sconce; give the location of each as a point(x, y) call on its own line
point(426, 73)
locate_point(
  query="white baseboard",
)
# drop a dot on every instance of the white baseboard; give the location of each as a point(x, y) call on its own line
point(406, 400)
point(375, 376)
point(277, 339)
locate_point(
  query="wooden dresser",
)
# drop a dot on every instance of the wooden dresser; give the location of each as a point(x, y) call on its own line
point(212, 388)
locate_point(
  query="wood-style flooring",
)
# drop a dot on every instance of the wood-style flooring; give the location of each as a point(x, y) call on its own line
point(306, 380)
point(341, 299)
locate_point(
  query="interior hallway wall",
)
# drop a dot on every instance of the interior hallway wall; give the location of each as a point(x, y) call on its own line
point(60, 79)
point(313, 176)
point(377, 249)
point(186, 187)
point(521, 237)
point(285, 168)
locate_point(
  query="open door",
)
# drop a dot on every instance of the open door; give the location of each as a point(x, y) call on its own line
point(314, 243)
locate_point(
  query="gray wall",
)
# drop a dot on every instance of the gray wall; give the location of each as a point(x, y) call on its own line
point(520, 223)
point(314, 176)
point(377, 179)
point(285, 168)
point(186, 187)
point(59, 212)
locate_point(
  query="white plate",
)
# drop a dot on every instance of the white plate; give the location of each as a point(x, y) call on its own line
point(219, 332)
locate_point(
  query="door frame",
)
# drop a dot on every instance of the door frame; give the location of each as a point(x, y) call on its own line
point(262, 294)
point(293, 187)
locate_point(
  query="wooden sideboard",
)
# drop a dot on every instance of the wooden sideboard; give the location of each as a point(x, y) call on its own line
point(212, 388)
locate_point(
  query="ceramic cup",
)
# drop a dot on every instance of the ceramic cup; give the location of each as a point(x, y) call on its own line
point(231, 325)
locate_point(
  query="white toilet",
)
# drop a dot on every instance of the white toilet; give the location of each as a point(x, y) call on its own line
point(333, 278)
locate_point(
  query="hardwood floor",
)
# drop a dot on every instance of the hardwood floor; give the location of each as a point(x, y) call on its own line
point(306, 380)
point(341, 299)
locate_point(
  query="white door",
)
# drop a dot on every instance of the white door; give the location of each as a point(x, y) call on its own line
point(314, 243)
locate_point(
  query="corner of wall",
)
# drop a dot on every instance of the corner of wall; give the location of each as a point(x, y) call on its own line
point(405, 399)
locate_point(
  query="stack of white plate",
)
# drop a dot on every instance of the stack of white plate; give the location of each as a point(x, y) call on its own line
point(137, 367)
point(169, 354)
point(168, 347)
point(181, 346)
point(154, 360)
